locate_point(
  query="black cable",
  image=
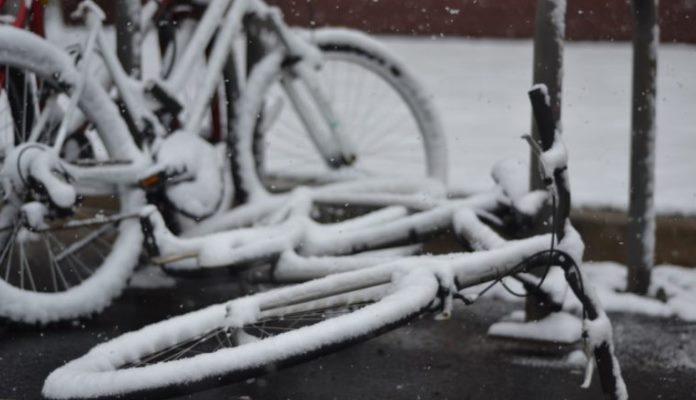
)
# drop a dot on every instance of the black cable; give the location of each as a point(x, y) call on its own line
point(554, 209)
point(22, 178)
point(554, 226)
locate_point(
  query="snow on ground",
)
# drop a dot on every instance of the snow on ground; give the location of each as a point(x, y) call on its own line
point(672, 292)
point(480, 88)
point(560, 327)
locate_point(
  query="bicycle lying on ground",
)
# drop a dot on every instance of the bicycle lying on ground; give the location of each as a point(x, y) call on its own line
point(246, 336)
point(85, 147)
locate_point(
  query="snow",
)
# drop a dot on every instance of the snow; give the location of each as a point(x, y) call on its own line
point(45, 167)
point(531, 203)
point(408, 285)
point(598, 333)
point(554, 158)
point(22, 48)
point(151, 277)
point(479, 235)
point(201, 166)
point(560, 327)
point(34, 213)
point(558, 15)
point(676, 285)
point(297, 230)
point(510, 175)
point(480, 86)
point(95, 373)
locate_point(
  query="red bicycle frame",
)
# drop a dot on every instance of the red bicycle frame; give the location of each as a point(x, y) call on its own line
point(30, 15)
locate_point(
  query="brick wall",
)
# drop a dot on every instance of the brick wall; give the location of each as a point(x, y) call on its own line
point(586, 19)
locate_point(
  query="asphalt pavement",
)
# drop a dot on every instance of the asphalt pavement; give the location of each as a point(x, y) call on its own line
point(426, 359)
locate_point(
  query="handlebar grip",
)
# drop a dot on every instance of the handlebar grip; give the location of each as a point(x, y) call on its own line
point(608, 367)
point(546, 125)
point(611, 386)
point(543, 115)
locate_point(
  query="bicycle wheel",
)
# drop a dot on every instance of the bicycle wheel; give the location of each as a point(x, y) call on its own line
point(69, 268)
point(245, 337)
point(380, 105)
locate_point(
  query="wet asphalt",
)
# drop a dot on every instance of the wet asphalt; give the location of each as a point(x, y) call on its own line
point(426, 359)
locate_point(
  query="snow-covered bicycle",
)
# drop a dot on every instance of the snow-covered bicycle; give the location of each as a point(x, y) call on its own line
point(246, 336)
point(79, 162)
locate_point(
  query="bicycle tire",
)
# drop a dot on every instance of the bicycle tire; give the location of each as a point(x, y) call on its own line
point(77, 297)
point(97, 373)
point(353, 49)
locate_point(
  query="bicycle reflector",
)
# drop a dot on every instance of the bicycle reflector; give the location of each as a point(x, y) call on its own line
point(151, 181)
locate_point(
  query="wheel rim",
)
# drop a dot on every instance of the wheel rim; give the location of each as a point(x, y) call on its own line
point(374, 114)
point(222, 337)
point(57, 257)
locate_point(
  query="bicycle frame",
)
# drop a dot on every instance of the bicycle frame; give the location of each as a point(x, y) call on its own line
point(222, 21)
point(29, 13)
point(340, 283)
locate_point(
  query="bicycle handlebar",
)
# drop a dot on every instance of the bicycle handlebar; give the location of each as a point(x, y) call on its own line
point(607, 365)
point(546, 123)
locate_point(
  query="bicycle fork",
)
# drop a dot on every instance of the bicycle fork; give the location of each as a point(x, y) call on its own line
point(318, 117)
point(309, 100)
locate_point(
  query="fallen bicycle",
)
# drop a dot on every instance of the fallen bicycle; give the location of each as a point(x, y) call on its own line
point(286, 325)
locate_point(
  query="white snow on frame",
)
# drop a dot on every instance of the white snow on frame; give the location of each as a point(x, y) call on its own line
point(560, 327)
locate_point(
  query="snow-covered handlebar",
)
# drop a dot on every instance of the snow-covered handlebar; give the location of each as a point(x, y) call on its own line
point(597, 330)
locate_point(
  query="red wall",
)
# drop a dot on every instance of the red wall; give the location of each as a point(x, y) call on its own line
point(586, 19)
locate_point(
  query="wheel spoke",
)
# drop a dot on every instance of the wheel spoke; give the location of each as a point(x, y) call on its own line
point(373, 112)
point(221, 337)
point(52, 266)
point(9, 258)
point(80, 244)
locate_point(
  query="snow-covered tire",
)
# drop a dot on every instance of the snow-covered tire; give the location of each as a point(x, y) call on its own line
point(351, 48)
point(26, 51)
point(139, 363)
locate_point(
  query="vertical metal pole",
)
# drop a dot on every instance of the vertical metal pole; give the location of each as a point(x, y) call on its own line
point(641, 212)
point(128, 39)
point(549, 35)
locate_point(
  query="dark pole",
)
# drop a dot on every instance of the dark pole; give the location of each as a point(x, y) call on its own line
point(549, 35)
point(641, 211)
point(128, 37)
